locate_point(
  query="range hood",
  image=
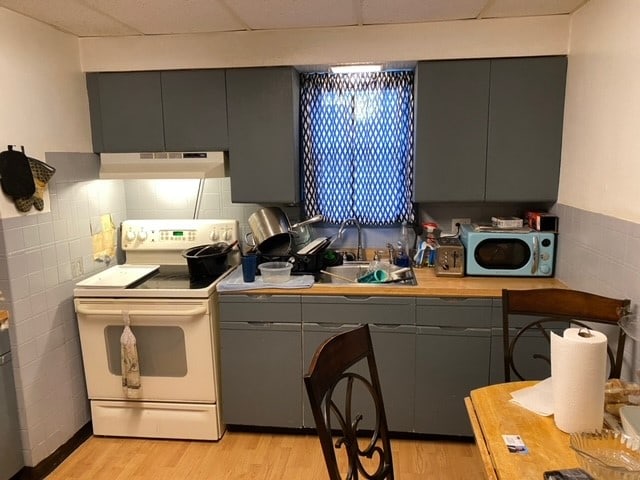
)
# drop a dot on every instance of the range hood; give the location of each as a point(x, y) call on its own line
point(154, 165)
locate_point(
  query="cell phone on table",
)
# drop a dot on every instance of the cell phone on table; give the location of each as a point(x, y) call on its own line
point(567, 474)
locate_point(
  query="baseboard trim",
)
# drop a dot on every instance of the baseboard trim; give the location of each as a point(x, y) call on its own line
point(49, 464)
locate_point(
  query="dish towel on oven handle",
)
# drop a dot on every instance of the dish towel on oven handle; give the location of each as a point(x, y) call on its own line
point(129, 360)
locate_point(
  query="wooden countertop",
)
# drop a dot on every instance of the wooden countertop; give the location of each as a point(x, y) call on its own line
point(428, 286)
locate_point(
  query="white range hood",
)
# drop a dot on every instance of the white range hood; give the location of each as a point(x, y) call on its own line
point(164, 165)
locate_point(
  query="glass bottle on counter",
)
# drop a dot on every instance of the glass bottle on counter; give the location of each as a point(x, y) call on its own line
point(430, 236)
point(402, 258)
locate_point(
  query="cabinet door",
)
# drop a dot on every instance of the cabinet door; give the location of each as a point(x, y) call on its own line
point(452, 100)
point(394, 349)
point(126, 111)
point(528, 351)
point(450, 362)
point(195, 110)
point(261, 360)
point(453, 348)
point(525, 128)
point(10, 450)
point(261, 374)
point(263, 114)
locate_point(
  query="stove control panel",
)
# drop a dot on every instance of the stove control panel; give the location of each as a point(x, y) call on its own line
point(175, 235)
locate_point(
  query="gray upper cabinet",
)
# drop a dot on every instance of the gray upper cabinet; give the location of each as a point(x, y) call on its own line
point(263, 113)
point(452, 101)
point(526, 111)
point(158, 111)
point(126, 111)
point(489, 130)
point(194, 110)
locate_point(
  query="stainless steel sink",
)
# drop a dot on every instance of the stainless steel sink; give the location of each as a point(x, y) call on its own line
point(349, 272)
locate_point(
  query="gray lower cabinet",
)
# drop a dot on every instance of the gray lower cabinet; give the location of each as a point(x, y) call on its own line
point(390, 321)
point(10, 445)
point(489, 130)
point(183, 110)
point(453, 344)
point(532, 350)
point(263, 113)
point(426, 370)
point(261, 364)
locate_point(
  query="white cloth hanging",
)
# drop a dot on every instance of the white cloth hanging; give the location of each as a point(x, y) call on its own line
point(129, 360)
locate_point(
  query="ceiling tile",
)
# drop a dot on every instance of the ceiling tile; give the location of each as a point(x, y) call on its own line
point(415, 11)
point(70, 16)
point(171, 16)
point(523, 8)
point(275, 14)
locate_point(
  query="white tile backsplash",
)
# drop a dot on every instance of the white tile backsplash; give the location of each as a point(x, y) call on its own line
point(601, 255)
point(35, 276)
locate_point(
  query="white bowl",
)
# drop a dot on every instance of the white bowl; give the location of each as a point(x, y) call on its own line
point(275, 272)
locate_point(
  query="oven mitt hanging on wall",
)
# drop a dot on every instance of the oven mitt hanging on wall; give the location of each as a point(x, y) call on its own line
point(42, 173)
point(129, 360)
point(16, 178)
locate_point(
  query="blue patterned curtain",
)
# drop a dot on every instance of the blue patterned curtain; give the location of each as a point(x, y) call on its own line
point(357, 146)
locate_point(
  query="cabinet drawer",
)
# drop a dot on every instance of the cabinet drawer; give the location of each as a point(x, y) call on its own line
point(472, 313)
point(255, 309)
point(358, 310)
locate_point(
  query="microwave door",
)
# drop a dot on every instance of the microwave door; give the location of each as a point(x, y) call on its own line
point(536, 255)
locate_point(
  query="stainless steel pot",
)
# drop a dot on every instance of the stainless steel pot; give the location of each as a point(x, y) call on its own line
point(301, 231)
point(272, 234)
point(269, 231)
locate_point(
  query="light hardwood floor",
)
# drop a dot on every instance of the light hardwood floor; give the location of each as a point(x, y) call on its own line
point(254, 456)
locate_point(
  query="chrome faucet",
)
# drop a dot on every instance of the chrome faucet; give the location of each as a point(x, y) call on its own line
point(343, 225)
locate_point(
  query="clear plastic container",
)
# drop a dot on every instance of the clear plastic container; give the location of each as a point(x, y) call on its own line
point(275, 272)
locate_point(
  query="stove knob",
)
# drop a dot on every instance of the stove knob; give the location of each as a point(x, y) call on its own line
point(227, 235)
point(213, 235)
point(142, 235)
point(131, 236)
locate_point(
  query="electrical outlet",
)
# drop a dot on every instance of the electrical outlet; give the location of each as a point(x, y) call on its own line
point(461, 221)
point(77, 268)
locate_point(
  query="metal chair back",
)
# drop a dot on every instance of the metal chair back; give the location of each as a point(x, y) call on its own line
point(549, 306)
point(368, 453)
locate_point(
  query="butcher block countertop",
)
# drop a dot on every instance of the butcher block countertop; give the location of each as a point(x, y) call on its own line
point(428, 286)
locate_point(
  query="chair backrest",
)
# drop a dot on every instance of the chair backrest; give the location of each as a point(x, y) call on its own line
point(330, 367)
point(551, 305)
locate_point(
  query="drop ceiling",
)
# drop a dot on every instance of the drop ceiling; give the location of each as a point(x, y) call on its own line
point(112, 18)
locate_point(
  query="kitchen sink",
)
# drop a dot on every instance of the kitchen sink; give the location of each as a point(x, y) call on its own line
point(349, 272)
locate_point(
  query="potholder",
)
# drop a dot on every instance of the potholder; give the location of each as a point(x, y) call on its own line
point(42, 173)
point(16, 178)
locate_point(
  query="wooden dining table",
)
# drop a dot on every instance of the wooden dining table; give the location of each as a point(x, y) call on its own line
point(493, 415)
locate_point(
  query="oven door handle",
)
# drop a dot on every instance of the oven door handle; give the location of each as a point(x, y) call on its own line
point(86, 310)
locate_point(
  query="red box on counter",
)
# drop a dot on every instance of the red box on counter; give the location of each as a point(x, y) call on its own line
point(542, 221)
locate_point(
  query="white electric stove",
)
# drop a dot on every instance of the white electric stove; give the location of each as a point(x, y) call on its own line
point(175, 321)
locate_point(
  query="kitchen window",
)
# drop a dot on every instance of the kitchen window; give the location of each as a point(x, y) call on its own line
point(357, 146)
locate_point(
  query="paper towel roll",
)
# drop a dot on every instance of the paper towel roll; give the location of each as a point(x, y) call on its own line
point(578, 372)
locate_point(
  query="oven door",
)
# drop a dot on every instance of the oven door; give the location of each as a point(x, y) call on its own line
point(175, 343)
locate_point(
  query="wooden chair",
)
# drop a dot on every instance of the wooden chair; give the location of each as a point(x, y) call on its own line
point(551, 305)
point(328, 379)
